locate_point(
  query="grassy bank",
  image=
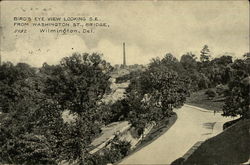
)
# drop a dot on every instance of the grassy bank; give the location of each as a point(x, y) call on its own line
point(231, 147)
point(199, 99)
point(158, 130)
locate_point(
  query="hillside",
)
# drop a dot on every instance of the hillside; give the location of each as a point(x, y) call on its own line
point(231, 147)
point(200, 99)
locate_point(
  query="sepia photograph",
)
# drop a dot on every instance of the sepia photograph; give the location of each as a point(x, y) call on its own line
point(126, 82)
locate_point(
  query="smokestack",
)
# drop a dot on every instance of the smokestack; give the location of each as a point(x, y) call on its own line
point(124, 55)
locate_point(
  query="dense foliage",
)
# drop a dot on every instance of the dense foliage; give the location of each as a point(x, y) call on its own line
point(238, 99)
point(114, 152)
point(32, 101)
point(34, 132)
point(154, 93)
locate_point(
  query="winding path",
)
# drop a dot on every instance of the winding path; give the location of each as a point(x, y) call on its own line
point(192, 125)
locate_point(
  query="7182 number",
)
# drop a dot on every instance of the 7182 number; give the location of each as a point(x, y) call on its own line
point(20, 31)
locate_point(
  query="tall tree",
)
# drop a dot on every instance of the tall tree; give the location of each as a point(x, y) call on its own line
point(36, 99)
point(188, 61)
point(238, 98)
point(78, 84)
point(205, 54)
point(79, 81)
point(153, 95)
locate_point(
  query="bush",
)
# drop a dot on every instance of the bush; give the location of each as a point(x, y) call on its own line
point(123, 78)
point(221, 89)
point(118, 149)
point(27, 149)
point(230, 123)
point(127, 77)
point(210, 93)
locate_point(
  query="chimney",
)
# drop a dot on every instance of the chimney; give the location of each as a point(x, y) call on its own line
point(124, 55)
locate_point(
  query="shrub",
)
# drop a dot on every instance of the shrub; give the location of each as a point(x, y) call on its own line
point(27, 149)
point(221, 89)
point(117, 150)
point(210, 93)
point(123, 78)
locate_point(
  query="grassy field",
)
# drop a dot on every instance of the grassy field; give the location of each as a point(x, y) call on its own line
point(231, 147)
point(199, 99)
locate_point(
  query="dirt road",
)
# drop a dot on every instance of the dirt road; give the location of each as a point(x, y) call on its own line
point(192, 125)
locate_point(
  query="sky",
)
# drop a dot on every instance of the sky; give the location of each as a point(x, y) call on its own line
point(150, 29)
